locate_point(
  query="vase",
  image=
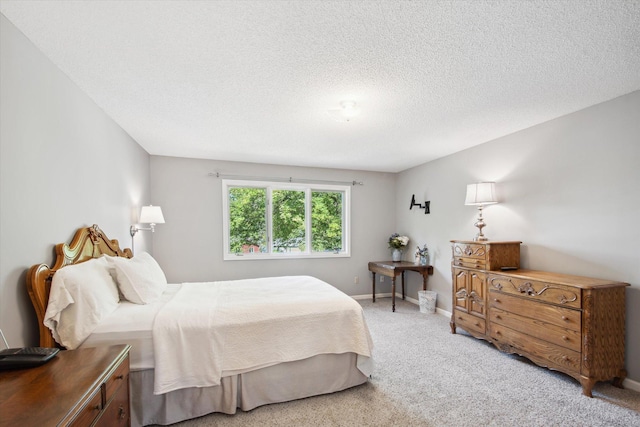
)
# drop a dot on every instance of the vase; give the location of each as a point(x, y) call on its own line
point(396, 255)
point(424, 260)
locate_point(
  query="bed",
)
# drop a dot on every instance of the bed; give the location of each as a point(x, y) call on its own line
point(199, 348)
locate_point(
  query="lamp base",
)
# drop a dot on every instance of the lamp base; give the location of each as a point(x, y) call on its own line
point(480, 224)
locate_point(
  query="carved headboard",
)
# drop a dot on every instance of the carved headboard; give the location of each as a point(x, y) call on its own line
point(88, 242)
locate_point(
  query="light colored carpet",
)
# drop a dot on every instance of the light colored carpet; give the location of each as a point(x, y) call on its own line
point(425, 376)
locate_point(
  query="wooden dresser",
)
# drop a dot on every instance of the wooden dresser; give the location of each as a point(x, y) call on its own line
point(85, 387)
point(572, 324)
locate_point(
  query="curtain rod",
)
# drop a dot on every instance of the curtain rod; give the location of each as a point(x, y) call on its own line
point(290, 179)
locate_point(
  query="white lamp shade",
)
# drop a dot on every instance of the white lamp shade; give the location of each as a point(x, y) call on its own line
point(481, 193)
point(151, 215)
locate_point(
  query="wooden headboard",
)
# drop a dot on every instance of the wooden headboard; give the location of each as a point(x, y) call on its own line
point(88, 242)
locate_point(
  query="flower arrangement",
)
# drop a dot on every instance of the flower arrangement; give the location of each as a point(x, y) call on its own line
point(422, 252)
point(397, 241)
point(422, 255)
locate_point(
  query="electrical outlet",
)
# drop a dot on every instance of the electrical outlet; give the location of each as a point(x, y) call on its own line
point(381, 278)
point(356, 280)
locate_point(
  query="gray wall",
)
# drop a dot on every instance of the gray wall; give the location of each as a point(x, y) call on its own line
point(189, 245)
point(63, 164)
point(569, 190)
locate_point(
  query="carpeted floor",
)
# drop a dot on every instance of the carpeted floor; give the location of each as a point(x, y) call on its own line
point(425, 376)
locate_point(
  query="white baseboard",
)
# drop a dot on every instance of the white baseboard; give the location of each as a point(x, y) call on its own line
point(416, 302)
point(368, 296)
point(409, 299)
point(631, 385)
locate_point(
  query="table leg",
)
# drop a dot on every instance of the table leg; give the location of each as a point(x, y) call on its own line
point(393, 293)
point(374, 287)
point(403, 285)
point(425, 277)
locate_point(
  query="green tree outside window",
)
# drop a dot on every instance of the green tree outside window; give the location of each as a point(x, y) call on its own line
point(273, 220)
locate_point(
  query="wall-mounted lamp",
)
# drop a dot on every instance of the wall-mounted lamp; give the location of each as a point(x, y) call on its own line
point(481, 194)
point(347, 111)
point(425, 207)
point(151, 215)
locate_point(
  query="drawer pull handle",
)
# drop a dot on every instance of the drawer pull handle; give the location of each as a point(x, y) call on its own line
point(565, 358)
point(97, 407)
point(498, 316)
point(498, 333)
point(120, 377)
point(121, 412)
point(564, 318)
point(477, 324)
point(565, 338)
point(496, 300)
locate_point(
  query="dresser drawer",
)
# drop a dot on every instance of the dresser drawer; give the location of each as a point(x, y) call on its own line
point(540, 351)
point(117, 413)
point(469, 262)
point(469, 250)
point(469, 322)
point(487, 255)
point(559, 316)
point(90, 411)
point(117, 379)
point(537, 328)
point(566, 296)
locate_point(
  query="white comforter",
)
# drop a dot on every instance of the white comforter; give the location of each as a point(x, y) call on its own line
point(210, 330)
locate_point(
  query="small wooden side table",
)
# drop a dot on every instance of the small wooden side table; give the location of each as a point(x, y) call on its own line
point(395, 269)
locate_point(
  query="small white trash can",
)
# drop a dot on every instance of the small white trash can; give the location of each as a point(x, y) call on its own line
point(427, 300)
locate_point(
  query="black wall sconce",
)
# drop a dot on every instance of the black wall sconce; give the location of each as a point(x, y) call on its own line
point(413, 203)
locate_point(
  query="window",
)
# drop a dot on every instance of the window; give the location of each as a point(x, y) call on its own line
point(283, 220)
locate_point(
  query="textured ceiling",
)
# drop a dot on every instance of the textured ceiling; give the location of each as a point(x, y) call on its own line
point(253, 80)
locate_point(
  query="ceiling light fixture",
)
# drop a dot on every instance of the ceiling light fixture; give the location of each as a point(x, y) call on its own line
point(347, 111)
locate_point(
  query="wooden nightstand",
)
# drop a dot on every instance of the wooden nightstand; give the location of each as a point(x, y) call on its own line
point(84, 387)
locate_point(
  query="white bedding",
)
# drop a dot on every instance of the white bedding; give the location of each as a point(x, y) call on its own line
point(210, 330)
point(132, 324)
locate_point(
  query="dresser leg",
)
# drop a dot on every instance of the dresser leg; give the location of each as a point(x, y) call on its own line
point(452, 324)
point(587, 386)
point(617, 381)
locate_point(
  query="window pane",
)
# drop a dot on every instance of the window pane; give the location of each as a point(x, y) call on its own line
point(326, 221)
point(288, 220)
point(247, 220)
point(272, 220)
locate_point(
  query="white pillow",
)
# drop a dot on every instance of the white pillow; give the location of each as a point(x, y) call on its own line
point(140, 279)
point(81, 296)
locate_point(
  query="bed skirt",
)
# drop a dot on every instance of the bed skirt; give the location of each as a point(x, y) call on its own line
point(321, 374)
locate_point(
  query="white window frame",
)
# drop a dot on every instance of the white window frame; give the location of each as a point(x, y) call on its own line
point(270, 186)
